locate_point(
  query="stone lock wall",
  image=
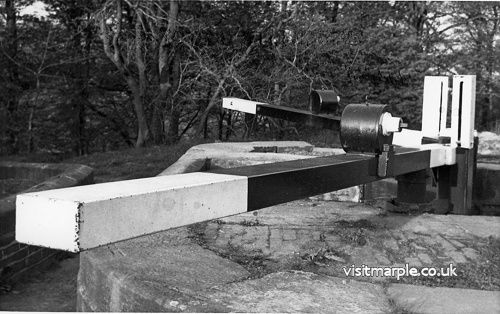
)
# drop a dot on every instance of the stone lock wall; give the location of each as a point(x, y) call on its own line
point(16, 258)
point(486, 195)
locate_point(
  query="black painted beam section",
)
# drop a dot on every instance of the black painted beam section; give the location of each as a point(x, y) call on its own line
point(302, 116)
point(277, 183)
point(411, 160)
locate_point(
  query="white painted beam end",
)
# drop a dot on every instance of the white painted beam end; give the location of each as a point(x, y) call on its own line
point(47, 222)
point(242, 105)
point(80, 218)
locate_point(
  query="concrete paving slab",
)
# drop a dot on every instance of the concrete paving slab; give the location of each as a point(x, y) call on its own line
point(291, 235)
point(487, 226)
point(303, 292)
point(420, 299)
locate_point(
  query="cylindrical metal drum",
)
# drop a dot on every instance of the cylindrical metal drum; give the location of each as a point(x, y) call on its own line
point(323, 101)
point(361, 128)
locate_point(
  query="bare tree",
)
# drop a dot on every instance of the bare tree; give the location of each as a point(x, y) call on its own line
point(131, 51)
point(110, 36)
point(10, 50)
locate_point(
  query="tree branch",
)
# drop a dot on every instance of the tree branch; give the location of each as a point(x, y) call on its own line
point(116, 36)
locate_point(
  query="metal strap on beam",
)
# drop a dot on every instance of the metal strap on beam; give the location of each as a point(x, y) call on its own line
point(303, 117)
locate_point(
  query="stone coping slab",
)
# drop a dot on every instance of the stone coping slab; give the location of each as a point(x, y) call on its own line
point(418, 299)
point(229, 155)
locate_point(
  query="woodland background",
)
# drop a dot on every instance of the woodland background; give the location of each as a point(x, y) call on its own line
point(103, 75)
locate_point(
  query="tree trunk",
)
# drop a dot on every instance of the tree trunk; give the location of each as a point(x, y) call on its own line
point(334, 12)
point(173, 126)
point(205, 131)
point(12, 96)
point(249, 123)
point(490, 67)
point(142, 124)
point(229, 125)
point(81, 74)
point(112, 50)
point(165, 72)
point(175, 112)
point(139, 90)
point(30, 145)
point(213, 100)
point(157, 118)
point(85, 92)
point(221, 125)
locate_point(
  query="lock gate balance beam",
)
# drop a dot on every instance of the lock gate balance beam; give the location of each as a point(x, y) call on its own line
point(76, 219)
point(81, 218)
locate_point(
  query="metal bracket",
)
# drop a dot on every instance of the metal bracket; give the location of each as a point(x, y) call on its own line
point(385, 162)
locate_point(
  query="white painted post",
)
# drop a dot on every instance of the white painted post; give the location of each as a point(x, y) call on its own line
point(464, 96)
point(435, 97)
point(443, 130)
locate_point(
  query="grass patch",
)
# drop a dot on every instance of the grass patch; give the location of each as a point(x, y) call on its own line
point(125, 164)
point(133, 163)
